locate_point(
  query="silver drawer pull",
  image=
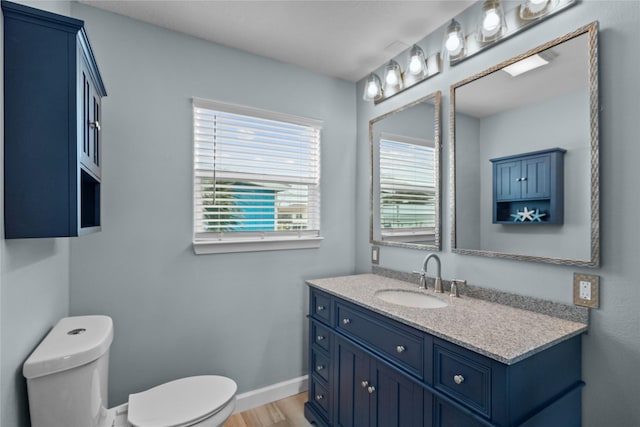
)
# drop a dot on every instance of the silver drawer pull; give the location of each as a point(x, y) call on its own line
point(319, 338)
point(458, 379)
point(346, 321)
point(371, 389)
point(364, 384)
point(319, 397)
point(95, 125)
point(319, 368)
point(320, 308)
point(400, 349)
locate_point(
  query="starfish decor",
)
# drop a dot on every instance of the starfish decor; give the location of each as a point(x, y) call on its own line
point(528, 215)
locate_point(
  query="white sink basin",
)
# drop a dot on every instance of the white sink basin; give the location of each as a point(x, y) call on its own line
point(410, 298)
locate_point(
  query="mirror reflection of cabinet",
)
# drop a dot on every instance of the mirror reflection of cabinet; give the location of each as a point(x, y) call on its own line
point(498, 113)
point(530, 182)
point(405, 175)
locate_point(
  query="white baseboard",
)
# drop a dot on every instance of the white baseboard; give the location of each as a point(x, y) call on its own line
point(262, 396)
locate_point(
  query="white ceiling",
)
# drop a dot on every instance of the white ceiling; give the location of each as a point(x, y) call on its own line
point(340, 38)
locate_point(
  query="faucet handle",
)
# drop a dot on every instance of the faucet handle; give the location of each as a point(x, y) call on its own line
point(423, 279)
point(454, 287)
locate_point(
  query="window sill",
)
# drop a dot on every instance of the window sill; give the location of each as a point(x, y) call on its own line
point(203, 247)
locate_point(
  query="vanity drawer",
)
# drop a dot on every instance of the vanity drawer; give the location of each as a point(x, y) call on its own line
point(320, 306)
point(397, 343)
point(321, 336)
point(319, 395)
point(463, 375)
point(320, 364)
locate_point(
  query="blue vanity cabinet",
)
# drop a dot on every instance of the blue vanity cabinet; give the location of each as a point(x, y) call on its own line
point(52, 96)
point(366, 369)
point(532, 180)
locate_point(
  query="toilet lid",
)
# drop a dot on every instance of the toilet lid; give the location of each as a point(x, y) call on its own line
point(180, 403)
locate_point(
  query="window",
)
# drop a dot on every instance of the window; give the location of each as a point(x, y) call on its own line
point(256, 179)
point(407, 187)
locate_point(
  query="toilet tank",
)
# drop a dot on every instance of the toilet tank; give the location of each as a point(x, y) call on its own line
point(67, 374)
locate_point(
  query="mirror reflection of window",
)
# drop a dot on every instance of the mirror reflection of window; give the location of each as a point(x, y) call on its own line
point(407, 188)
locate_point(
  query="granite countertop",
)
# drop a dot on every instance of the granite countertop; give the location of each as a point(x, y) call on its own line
point(501, 332)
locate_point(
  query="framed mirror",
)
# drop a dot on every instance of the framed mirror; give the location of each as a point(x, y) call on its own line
point(524, 156)
point(405, 175)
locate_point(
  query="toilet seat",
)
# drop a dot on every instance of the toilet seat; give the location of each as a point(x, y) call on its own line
point(181, 403)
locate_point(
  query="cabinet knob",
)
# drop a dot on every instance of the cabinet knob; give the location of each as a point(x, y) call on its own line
point(346, 321)
point(319, 368)
point(95, 125)
point(371, 389)
point(458, 379)
point(320, 308)
point(319, 397)
point(364, 384)
point(319, 338)
point(400, 349)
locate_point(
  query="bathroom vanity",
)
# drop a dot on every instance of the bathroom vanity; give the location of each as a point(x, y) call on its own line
point(470, 363)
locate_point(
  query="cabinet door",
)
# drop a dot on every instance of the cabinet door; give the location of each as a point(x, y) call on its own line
point(396, 400)
point(507, 180)
point(351, 386)
point(537, 173)
point(89, 123)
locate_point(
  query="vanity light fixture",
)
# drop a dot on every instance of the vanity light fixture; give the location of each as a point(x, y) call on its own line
point(372, 88)
point(419, 68)
point(454, 40)
point(492, 23)
point(393, 82)
point(496, 24)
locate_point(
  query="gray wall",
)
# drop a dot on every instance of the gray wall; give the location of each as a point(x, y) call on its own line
point(175, 313)
point(611, 349)
point(34, 294)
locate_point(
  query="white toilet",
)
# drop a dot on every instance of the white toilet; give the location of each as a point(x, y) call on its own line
point(67, 382)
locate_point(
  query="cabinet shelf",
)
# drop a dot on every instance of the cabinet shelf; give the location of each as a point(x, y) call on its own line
point(52, 144)
point(529, 182)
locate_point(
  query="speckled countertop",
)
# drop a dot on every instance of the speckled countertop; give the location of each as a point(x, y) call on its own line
point(500, 332)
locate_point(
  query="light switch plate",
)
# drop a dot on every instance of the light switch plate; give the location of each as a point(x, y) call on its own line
point(586, 290)
point(375, 255)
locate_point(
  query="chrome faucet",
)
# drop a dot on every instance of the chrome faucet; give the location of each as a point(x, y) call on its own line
point(423, 273)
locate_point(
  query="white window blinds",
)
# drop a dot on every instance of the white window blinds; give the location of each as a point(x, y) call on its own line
point(407, 185)
point(256, 174)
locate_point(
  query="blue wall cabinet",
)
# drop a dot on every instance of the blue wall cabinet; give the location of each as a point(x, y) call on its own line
point(52, 145)
point(531, 180)
point(369, 370)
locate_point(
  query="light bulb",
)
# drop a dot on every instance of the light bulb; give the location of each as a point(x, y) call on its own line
point(453, 42)
point(491, 21)
point(391, 78)
point(417, 65)
point(372, 89)
point(414, 65)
